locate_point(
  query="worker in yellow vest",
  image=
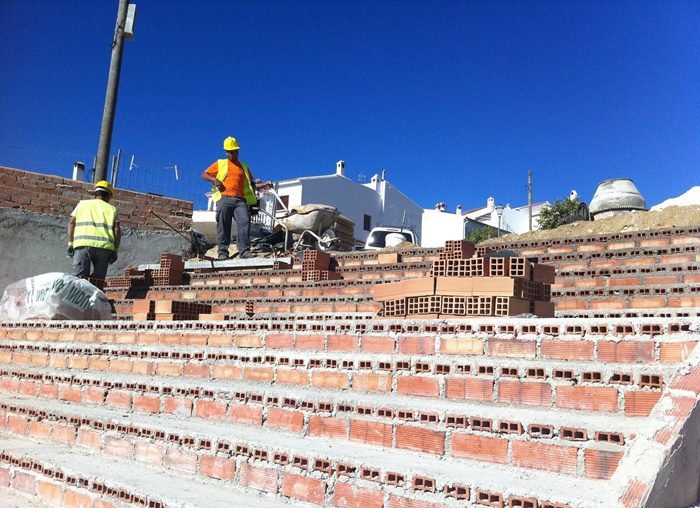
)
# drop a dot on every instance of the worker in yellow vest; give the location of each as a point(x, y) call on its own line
point(94, 234)
point(233, 191)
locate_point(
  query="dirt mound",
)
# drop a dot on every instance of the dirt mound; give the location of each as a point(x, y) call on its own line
point(672, 216)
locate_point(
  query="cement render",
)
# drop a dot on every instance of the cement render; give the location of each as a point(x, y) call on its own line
point(177, 491)
point(35, 243)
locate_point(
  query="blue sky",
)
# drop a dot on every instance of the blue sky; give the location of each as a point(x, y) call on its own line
point(457, 100)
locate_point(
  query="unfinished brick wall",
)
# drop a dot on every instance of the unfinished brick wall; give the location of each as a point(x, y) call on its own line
point(36, 192)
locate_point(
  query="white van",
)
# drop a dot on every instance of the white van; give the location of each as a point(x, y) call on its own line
point(388, 236)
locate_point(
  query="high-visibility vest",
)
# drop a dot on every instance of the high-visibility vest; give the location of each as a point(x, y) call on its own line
point(248, 191)
point(94, 224)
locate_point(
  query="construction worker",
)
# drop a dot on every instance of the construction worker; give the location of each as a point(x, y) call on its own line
point(94, 234)
point(233, 192)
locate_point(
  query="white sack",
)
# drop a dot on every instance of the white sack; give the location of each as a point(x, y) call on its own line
point(54, 296)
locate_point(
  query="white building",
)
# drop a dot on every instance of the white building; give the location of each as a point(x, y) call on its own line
point(366, 204)
point(440, 225)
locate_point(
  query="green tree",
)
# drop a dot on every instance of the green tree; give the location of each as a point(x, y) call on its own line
point(478, 236)
point(552, 215)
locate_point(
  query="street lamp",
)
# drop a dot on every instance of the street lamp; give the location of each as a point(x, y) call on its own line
point(499, 212)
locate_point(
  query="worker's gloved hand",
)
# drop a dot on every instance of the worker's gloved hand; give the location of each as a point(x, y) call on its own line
point(71, 251)
point(113, 257)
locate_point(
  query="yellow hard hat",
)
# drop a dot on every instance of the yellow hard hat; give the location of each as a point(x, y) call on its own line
point(104, 185)
point(230, 144)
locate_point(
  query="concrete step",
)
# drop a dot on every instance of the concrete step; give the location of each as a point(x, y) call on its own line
point(314, 461)
point(74, 476)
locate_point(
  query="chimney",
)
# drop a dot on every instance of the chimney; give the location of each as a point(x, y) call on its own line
point(340, 168)
point(79, 171)
point(459, 210)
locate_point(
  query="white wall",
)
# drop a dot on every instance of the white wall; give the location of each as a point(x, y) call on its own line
point(440, 226)
point(396, 204)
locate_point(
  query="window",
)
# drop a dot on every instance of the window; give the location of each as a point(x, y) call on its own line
point(368, 223)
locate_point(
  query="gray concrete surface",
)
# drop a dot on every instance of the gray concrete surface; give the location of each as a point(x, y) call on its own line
point(35, 243)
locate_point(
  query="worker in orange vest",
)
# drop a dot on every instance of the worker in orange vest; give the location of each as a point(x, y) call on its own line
point(233, 192)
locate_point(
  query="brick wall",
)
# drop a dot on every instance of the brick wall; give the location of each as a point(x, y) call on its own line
point(36, 192)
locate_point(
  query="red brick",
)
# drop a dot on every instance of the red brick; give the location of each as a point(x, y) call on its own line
point(608, 304)
point(326, 379)
point(197, 370)
point(651, 303)
point(181, 460)
point(70, 393)
point(371, 382)
point(50, 492)
point(469, 388)
point(177, 406)
point(563, 304)
point(303, 488)
point(248, 341)
point(560, 459)
point(417, 345)
point(243, 413)
point(626, 352)
point(687, 381)
point(149, 453)
point(371, 432)
point(24, 483)
point(600, 464)
point(676, 351)
point(309, 342)
point(327, 427)
point(17, 424)
point(396, 501)
point(73, 499)
point(259, 373)
point(420, 386)
point(350, 496)
point(258, 478)
point(227, 372)
point(118, 446)
point(348, 343)
point(462, 346)
point(683, 302)
point(567, 349)
point(40, 430)
point(521, 392)
point(513, 348)
point(421, 440)
point(293, 377)
point(63, 434)
point(283, 419)
point(147, 404)
point(279, 341)
point(220, 340)
point(120, 400)
point(211, 409)
point(589, 398)
point(371, 344)
point(217, 467)
point(489, 449)
point(640, 403)
point(89, 439)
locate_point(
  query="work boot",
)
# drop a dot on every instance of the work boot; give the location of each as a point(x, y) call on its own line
point(223, 257)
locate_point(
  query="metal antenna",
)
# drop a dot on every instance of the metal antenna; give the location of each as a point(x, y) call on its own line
point(131, 164)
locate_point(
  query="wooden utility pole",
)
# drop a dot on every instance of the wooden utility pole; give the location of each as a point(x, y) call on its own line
point(112, 90)
point(529, 199)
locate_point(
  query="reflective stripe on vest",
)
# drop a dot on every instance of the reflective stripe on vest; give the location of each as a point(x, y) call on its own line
point(222, 171)
point(94, 224)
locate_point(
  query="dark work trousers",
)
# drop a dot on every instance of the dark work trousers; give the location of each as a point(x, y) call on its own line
point(83, 257)
point(229, 209)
